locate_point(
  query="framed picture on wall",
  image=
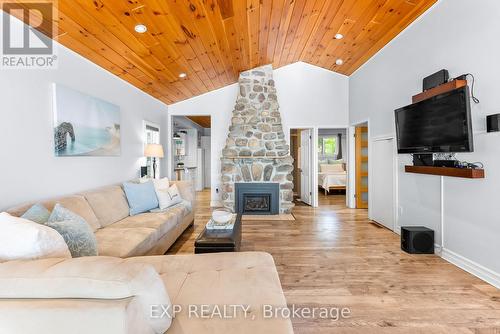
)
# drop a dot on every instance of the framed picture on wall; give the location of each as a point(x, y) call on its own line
point(84, 125)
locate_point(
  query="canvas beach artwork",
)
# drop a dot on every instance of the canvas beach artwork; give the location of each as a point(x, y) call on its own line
point(84, 125)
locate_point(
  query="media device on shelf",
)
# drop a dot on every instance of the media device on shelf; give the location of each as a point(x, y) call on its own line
point(423, 159)
point(441, 123)
point(436, 79)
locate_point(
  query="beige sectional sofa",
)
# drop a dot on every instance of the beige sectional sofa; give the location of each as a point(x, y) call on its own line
point(117, 293)
point(118, 234)
point(114, 296)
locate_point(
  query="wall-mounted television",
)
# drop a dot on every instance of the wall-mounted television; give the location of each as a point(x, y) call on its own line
point(439, 124)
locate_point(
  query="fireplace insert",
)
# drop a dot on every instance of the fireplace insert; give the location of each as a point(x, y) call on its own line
point(257, 198)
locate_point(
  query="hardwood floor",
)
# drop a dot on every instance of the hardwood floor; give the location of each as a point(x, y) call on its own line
point(333, 256)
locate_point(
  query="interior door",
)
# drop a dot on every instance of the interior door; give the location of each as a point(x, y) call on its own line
point(382, 191)
point(305, 166)
point(362, 167)
point(205, 144)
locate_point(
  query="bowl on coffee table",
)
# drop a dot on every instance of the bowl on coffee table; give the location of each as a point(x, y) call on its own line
point(221, 216)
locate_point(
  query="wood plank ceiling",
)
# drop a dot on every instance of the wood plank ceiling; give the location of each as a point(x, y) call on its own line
point(213, 40)
point(203, 121)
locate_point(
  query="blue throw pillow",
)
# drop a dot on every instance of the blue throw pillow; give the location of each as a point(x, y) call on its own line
point(37, 213)
point(75, 231)
point(141, 197)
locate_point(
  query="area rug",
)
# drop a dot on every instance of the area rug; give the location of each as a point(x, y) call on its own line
point(284, 216)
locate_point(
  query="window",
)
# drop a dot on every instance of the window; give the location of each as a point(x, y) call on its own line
point(151, 136)
point(327, 146)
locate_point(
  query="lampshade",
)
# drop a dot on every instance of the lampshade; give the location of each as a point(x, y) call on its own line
point(153, 151)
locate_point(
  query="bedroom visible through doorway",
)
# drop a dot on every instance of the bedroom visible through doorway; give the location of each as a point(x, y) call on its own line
point(332, 165)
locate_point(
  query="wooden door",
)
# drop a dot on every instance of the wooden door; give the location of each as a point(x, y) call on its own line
point(362, 167)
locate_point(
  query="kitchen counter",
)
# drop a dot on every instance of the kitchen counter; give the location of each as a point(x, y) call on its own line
point(182, 168)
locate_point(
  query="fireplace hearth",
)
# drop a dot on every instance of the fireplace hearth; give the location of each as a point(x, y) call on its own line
point(257, 198)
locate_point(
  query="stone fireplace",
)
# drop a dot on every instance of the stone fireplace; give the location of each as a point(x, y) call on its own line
point(256, 151)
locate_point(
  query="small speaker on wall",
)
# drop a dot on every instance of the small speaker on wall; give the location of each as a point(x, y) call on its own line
point(417, 240)
point(493, 123)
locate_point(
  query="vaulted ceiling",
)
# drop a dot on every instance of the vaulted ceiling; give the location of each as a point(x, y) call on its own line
point(213, 40)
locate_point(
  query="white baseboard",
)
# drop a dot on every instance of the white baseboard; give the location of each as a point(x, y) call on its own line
point(397, 229)
point(472, 267)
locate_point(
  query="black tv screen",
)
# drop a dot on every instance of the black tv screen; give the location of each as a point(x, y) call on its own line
point(439, 124)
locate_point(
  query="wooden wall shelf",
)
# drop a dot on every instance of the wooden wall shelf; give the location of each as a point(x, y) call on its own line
point(447, 171)
point(455, 84)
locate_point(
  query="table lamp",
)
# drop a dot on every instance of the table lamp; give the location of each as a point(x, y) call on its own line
point(153, 151)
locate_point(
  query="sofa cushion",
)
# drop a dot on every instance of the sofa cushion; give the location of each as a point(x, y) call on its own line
point(22, 239)
point(76, 203)
point(100, 277)
point(109, 204)
point(77, 234)
point(125, 242)
point(141, 197)
point(161, 222)
point(246, 278)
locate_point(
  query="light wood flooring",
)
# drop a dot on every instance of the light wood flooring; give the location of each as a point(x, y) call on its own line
point(334, 256)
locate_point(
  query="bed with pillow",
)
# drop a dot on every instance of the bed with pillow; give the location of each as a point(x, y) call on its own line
point(332, 176)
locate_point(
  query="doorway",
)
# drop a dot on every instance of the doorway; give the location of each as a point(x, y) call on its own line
point(332, 166)
point(361, 156)
point(301, 149)
point(191, 150)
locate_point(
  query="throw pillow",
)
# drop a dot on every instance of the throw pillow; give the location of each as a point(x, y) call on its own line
point(141, 197)
point(37, 213)
point(169, 197)
point(75, 230)
point(22, 239)
point(175, 196)
point(336, 168)
point(161, 184)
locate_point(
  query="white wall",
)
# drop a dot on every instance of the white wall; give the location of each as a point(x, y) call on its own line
point(308, 97)
point(461, 36)
point(29, 169)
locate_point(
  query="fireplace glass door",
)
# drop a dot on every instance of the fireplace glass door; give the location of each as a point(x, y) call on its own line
point(256, 203)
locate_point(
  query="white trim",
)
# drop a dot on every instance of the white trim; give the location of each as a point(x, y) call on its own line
point(313, 155)
point(351, 147)
point(441, 232)
point(345, 156)
point(471, 267)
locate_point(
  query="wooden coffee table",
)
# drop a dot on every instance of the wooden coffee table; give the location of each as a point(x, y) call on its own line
point(215, 241)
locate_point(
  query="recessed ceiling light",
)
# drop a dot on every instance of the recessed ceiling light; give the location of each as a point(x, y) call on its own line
point(141, 28)
point(339, 62)
point(339, 36)
point(182, 75)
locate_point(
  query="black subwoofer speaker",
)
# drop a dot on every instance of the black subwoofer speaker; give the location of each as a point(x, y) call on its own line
point(417, 240)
